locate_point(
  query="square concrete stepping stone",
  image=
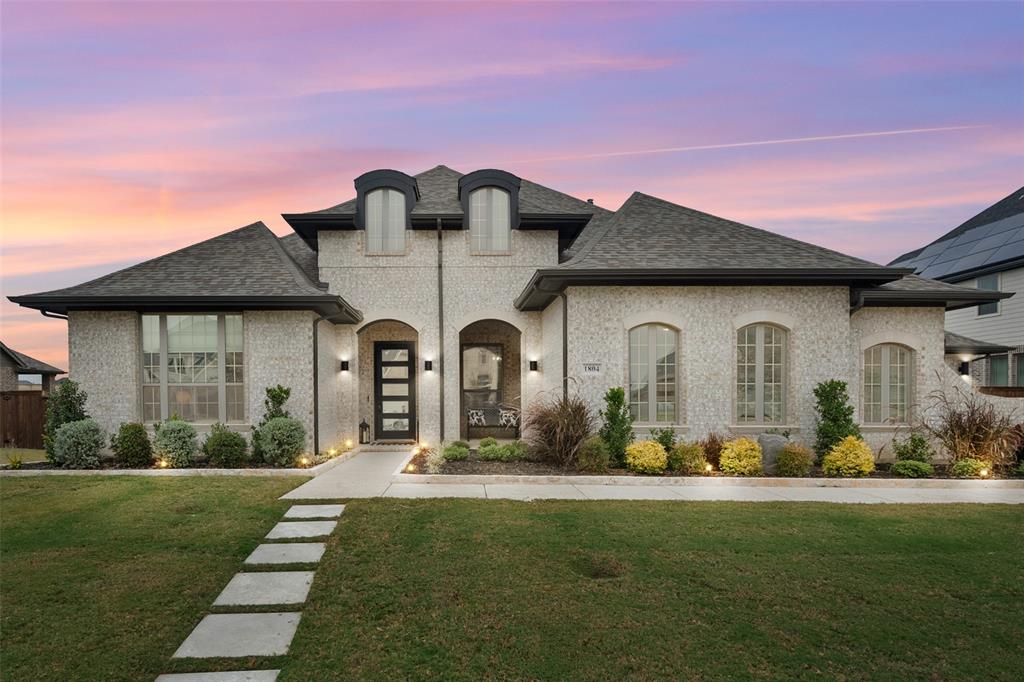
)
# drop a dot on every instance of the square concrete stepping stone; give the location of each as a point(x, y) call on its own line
point(301, 529)
point(272, 587)
point(227, 676)
point(287, 553)
point(228, 635)
point(315, 511)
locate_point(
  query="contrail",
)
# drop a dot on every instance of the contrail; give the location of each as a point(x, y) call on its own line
point(755, 143)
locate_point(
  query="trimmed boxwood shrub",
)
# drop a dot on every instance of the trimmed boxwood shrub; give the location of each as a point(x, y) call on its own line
point(506, 452)
point(282, 440)
point(77, 445)
point(131, 446)
point(225, 448)
point(460, 443)
point(65, 404)
point(912, 468)
point(456, 451)
point(175, 443)
point(594, 455)
point(488, 441)
point(687, 458)
point(741, 456)
point(849, 457)
point(646, 457)
point(969, 467)
point(912, 449)
point(794, 460)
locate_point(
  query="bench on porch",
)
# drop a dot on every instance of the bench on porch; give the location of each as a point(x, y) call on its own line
point(491, 414)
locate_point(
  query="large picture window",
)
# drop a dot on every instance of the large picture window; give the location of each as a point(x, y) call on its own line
point(887, 383)
point(761, 375)
point(385, 221)
point(490, 222)
point(192, 366)
point(653, 394)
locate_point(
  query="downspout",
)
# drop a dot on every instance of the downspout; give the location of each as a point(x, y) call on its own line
point(56, 316)
point(440, 323)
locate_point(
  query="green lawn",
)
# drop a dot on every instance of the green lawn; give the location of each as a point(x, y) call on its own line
point(665, 590)
point(101, 578)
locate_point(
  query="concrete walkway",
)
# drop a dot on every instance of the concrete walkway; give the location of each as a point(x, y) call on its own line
point(370, 474)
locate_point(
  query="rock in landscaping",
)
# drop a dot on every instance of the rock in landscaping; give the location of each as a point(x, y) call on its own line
point(771, 445)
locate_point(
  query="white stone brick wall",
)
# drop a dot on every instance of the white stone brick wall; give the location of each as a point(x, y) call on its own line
point(105, 359)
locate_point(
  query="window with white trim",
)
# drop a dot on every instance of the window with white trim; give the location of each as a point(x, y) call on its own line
point(888, 368)
point(761, 374)
point(490, 222)
point(989, 283)
point(653, 375)
point(385, 221)
point(192, 366)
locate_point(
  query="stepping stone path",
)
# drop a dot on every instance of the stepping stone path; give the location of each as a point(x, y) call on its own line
point(227, 635)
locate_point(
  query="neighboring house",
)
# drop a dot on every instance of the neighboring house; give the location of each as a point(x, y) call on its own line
point(985, 252)
point(14, 366)
point(431, 301)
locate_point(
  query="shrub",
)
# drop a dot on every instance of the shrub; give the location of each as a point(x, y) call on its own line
point(646, 457)
point(175, 443)
point(969, 426)
point(488, 442)
point(557, 427)
point(594, 455)
point(273, 407)
point(66, 403)
point(742, 457)
point(131, 446)
point(834, 415)
point(506, 452)
point(970, 467)
point(687, 458)
point(616, 424)
point(849, 457)
point(516, 450)
point(77, 445)
point(225, 448)
point(666, 436)
point(14, 459)
point(795, 459)
point(712, 446)
point(460, 443)
point(455, 452)
point(912, 449)
point(435, 459)
point(912, 468)
point(282, 440)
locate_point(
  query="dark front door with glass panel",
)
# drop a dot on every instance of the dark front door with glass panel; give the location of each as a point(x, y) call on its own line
point(394, 381)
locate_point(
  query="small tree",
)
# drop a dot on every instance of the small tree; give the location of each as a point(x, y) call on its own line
point(273, 407)
point(617, 424)
point(65, 404)
point(834, 415)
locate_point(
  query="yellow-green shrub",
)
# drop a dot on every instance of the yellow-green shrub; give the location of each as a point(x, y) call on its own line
point(646, 457)
point(794, 460)
point(849, 457)
point(741, 456)
point(687, 458)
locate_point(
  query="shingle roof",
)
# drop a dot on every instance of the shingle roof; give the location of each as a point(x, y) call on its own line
point(249, 265)
point(916, 290)
point(648, 232)
point(993, 238)
point(956, 343)
point(303, 256)
point(29, 365)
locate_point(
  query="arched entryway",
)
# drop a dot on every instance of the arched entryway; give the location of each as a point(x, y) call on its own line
point(387, 380)
point(490, 379)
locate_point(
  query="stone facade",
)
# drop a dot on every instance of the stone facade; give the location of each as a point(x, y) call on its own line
point(105, 359)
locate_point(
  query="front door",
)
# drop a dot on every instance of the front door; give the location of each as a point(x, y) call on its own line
point(394, 387)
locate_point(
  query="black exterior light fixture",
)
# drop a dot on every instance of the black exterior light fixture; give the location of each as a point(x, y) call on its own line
point(428, 365)
point(964, 368)
point(534, 365)
point(344, 365)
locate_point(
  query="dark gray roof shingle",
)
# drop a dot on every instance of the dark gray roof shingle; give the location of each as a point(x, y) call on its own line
point(956, 343)
point(26, 364)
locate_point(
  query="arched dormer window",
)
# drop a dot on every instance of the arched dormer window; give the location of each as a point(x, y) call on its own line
point(888, 368)
point(490, 206)
point(384, 202)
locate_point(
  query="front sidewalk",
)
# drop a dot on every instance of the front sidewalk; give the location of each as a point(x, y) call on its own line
point(377, 474)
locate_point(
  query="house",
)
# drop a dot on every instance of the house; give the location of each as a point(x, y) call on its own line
point(15, 367)
point(436, 303)
point(985, 252)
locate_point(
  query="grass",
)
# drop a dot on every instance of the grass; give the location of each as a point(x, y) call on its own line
point(467, 590)
point(101, 578)
point(27, 455)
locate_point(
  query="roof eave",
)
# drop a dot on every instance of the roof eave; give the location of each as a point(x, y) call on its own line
point(983, 270)
point(950, 300)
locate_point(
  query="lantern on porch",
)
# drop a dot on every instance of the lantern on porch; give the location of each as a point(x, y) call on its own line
point(364, 432)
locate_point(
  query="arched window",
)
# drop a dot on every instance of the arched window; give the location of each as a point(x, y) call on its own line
point(490, 225)
point(761, 374)
point(887, 385)
point(385, 221)
point(653, 394)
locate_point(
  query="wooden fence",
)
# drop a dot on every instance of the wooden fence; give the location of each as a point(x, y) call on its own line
point(22, 414)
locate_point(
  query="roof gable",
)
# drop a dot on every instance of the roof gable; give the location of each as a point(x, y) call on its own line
point(26, 364)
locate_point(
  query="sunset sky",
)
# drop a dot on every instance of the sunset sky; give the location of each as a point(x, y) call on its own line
point(131, 129)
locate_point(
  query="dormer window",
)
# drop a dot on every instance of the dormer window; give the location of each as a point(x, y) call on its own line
point(490, 225)
point(385, 221)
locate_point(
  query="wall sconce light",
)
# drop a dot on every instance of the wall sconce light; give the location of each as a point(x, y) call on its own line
point(534, 365)
point(964, 369)
point(344, 365)
point(428, 365)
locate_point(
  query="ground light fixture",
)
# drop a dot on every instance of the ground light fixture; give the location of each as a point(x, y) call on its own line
point(332, 452)
point(348, 443)
point(709, 468)
point(983, 473)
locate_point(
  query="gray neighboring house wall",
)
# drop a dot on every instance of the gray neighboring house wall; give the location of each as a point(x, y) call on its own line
point(14, 364)
point(985, 251)
point(439, 299)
